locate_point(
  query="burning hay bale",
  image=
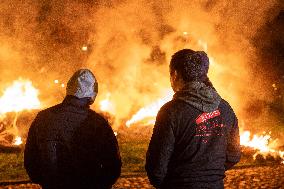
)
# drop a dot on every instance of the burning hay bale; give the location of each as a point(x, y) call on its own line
point(252, 155)
point(18, 107)
point(9, 142)
point(13, 130)
point(262, 148)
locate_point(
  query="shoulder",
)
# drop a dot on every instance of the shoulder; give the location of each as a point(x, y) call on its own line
point(172, 109)
point(42, 117)
point(225, 105)
point(173, 104)
point(176, 106)
point(98, 124)
point(226, 108)
point(98, 118)
point(50, 110)
point(44, 114)
point(167, 107)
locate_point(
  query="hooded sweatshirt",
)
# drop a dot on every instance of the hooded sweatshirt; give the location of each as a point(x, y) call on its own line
point(71, 146)
point(195, 139)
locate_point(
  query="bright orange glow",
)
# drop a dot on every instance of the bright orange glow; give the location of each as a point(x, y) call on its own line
point(263, 143)
point(149, 112)
point(258, 142)
point(106, 105)
point(21, 95)
point(84, 48)
point(18, 141)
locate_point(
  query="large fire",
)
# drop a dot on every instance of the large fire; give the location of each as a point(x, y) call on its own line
point(20, 96)
point(264, 144)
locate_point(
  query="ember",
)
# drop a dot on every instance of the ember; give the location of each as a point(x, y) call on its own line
point(84, 48)
point(18, 140)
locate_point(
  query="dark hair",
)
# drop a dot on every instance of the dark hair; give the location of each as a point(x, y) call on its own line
point(190, 65)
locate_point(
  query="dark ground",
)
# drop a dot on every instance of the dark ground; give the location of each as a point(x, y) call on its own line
point(249, 177)
point(248, 173)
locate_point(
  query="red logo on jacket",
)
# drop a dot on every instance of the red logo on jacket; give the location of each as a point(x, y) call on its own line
point(205, 116)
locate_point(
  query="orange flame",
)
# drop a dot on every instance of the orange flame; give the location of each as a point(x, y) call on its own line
point(257, 142)
point(18, 141)
point(264, 143)
point(106, 105)
point(150, 112)
point(21, 95)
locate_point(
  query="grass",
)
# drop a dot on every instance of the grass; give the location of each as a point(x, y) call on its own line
point(133, 149)
point(12, 166)
point(133, 156)
point(132, 153)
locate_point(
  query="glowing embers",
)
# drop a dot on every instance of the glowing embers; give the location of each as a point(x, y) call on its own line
point(18, 140)
point(56, 81)
point(21, 95)
point(84, 48)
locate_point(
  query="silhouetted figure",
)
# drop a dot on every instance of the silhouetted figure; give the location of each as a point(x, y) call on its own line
point(71, 146)
point(196, 135)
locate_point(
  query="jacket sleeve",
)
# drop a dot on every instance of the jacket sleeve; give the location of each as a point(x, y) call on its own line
point(233, 154)
point(31, 154)
point(110, 157)
point(160, 149)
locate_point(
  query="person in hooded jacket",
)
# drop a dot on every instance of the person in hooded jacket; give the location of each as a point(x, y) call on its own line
point(71, 146)
point(196, 136)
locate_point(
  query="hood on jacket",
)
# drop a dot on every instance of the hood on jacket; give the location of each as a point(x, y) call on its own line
point(82, 84)
point(200, 96)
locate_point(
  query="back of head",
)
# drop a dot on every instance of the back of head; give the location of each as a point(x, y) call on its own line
point(190, 65)
point(83, 84)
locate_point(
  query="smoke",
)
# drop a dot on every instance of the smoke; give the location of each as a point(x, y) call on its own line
point(128, 45)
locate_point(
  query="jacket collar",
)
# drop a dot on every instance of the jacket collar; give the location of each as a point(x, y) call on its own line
point(78, 102)
point(200, 96)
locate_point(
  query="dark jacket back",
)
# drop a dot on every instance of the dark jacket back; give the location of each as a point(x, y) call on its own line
point(71, 146)
point(190, 148)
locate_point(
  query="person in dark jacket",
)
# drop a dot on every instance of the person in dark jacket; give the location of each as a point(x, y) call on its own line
point(71, 146)
point(196, 136)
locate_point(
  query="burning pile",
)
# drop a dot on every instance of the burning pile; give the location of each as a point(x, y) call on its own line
point(22, 96)
point(263, 146)
point(255, 145)
point(18, 97)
